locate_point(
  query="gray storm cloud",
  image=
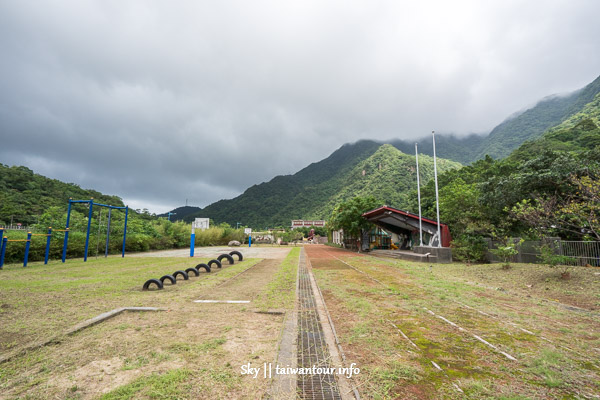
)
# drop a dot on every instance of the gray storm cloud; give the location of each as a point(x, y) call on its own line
point(161, 101)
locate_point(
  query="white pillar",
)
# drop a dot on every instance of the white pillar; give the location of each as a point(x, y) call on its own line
point(419, 197)
point(437, 197)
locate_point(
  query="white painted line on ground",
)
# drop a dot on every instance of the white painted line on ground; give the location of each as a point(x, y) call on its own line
point(223, 301)
point(395, 326)
point(457, 388)
point(405, 337)
point(495, 317)
point(520, 328)
point(356, 269)
point(472, 334)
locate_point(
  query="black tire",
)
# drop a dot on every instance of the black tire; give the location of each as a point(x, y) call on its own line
point(170, 278)
point(237, 253)
point(182, 273)
point(192, 270)
point(214, 262)
point(206, 267)
point(227, 257)
point(149, 282)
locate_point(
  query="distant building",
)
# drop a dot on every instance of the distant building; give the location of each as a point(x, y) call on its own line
point(299, 223)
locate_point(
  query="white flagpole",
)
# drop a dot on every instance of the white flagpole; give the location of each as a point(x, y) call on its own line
point(419, 197)
point(437, 197)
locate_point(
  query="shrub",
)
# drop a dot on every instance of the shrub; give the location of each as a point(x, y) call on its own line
point(549, 256)
point(469, 248)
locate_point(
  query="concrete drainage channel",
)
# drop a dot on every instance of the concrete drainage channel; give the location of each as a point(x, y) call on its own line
point(312, 348)
point(318, 346)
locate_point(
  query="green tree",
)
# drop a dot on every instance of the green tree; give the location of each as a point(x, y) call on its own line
point(348, 215)
point(506, 250)
point(578, 213)
point(550, 256)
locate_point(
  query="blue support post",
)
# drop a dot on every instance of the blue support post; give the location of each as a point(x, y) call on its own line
point(125, 231)
point(249, 240)
point(87, 236)
point(107, 233)
point(2, 252)
point(192, 243)
point(27, 249)
point(48, 245)
point(64, 254)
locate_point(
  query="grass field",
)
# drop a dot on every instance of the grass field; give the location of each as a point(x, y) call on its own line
point(416, 331)
point(189, 351)
point(456, 331)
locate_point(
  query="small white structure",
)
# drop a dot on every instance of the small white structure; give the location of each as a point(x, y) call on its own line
point(337, 237)
point(201, 223)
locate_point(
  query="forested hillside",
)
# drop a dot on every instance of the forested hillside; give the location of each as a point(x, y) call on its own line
point(534, 122)
point(25, 195)
point(38, 202)
point(355, 169)
point(556, 112)
point(547, 187)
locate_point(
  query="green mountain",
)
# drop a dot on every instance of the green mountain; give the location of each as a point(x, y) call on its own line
point(25, 195)
point(555, 112)
point(451, 147)
point(570, 122)
point(362, 168)
point(532, 123)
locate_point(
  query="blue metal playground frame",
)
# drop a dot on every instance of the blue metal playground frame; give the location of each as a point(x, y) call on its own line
point(87, 237)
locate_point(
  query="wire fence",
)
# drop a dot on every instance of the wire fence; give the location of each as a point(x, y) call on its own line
point(581, 253)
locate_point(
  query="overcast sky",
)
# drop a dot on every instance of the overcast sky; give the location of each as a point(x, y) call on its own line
point(162, 101)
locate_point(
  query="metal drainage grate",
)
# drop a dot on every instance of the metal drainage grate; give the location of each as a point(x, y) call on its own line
point(312, 348)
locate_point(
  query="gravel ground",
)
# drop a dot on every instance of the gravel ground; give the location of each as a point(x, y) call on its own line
point(204, 252)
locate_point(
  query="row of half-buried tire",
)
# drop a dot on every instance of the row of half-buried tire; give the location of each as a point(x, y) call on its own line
point(159, 283)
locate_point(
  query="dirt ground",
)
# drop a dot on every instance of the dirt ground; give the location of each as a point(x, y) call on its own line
point(256, 251)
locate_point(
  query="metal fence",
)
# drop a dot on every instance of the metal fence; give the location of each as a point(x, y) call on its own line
point(581, 253)
point(15, 227)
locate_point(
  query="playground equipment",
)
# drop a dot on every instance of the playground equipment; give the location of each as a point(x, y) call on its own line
point(4, 241)
point(195, 271)
point(89, 224)
point(227, 257)
point(48, 235)
point(200, 266)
